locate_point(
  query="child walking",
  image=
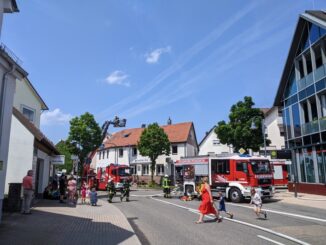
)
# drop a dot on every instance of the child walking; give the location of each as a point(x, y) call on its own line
point(93, 197)
point(257, 202)
point(222, 205)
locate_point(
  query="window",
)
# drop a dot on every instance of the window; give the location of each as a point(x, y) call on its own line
point(99, 155)
point(107, 153)
point(28, 113)
point(174, 149)
point(220, 166)
point(138, 168)
point(145, 169)
point(242, 166)
point(216, 142)
point(134, 151)
point(120, 152)
point(296, 120)
point(103, 152)
point(159, 169)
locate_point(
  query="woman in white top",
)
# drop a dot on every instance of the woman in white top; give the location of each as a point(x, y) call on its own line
point(257, 202)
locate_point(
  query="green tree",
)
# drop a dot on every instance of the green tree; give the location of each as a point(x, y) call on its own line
point(238, 131)
point(84, 135)
point(64, 149)
point(153, 143)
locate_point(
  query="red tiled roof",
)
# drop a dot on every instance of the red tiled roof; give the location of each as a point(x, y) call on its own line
point(177, 133)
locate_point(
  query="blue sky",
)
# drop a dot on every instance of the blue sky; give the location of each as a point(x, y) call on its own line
point(150, 60)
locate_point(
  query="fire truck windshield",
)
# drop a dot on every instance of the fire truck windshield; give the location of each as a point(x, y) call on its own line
point(260, 167)
point(124, 172)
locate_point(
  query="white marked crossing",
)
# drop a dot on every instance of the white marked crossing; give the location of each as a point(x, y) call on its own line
point(283, 213)
point(270, 240)
point(239, 222)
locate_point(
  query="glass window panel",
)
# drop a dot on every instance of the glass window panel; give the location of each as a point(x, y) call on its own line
point(287, 123)
point(310, 90)
point(296, 120)
point(321, 163)
point(291, 86)
point(302, 94)
point(302, 167)
point(320, 84)
point(309, 163)
point(284, 120)
point(314, 33)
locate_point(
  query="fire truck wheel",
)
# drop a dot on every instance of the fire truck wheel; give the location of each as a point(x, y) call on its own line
point(235, 195)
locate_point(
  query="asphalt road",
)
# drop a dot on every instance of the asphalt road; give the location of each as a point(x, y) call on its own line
point(157, 220)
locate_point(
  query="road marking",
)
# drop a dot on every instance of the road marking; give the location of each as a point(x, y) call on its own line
point(239, 222)
point(283, 213)
point(149, 195)
point(270, 240)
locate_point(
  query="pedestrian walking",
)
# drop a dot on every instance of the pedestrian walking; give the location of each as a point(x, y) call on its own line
point(93, 197)
point(28, 192)
point(222, 205)
point(207, 203)
point(125, 190)
point(111, 189)
point(72, 189)
point(257, 202)
point(83, 193)
point(88, 191)
point(62, 187)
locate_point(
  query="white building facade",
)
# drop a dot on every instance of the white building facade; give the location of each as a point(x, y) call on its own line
point(28, 148)
point(211, 144)
point(274, 129)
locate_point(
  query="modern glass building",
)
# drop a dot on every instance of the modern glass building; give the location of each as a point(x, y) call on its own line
point(302, 97)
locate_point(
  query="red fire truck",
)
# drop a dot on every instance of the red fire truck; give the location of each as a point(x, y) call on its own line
point(118, 173)
point(280, 172)
point(232, 174)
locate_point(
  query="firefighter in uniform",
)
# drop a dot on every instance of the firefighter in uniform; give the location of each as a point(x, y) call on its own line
point(111, 189)
point(166, 186)
point(125, 191)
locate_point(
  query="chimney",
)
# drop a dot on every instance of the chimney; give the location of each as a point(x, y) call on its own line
point(169, 121)
point(143, 125)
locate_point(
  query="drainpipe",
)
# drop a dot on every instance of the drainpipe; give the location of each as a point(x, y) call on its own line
point(2, 96)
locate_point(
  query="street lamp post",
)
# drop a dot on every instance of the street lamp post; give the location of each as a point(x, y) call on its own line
point(253, 126)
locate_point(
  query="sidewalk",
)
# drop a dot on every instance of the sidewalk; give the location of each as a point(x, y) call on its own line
point(303, 199)
point(55, 223)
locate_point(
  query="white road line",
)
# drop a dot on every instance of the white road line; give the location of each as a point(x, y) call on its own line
point(270, 240)
point(239, 222)
point(149, 195)
point(283, 213)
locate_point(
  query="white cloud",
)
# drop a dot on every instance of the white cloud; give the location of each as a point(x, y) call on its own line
point(118, 78)
point(54, 117)
point(155, 55)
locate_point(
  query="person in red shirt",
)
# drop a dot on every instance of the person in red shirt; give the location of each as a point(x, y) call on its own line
point(28, 192)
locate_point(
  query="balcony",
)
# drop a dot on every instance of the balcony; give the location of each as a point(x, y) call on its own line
point(322, 122)
point(310, 127)
point(319, 72)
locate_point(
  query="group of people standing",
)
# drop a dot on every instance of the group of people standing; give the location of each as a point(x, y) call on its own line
point(112, 190)
point(69, 185)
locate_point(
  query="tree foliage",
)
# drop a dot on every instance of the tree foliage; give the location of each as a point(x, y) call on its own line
point(153, 142)
point(64, 149)
point(84, 135)
point(238, 132)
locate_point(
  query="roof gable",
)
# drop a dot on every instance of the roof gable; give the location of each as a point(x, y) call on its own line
point(316, 17)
